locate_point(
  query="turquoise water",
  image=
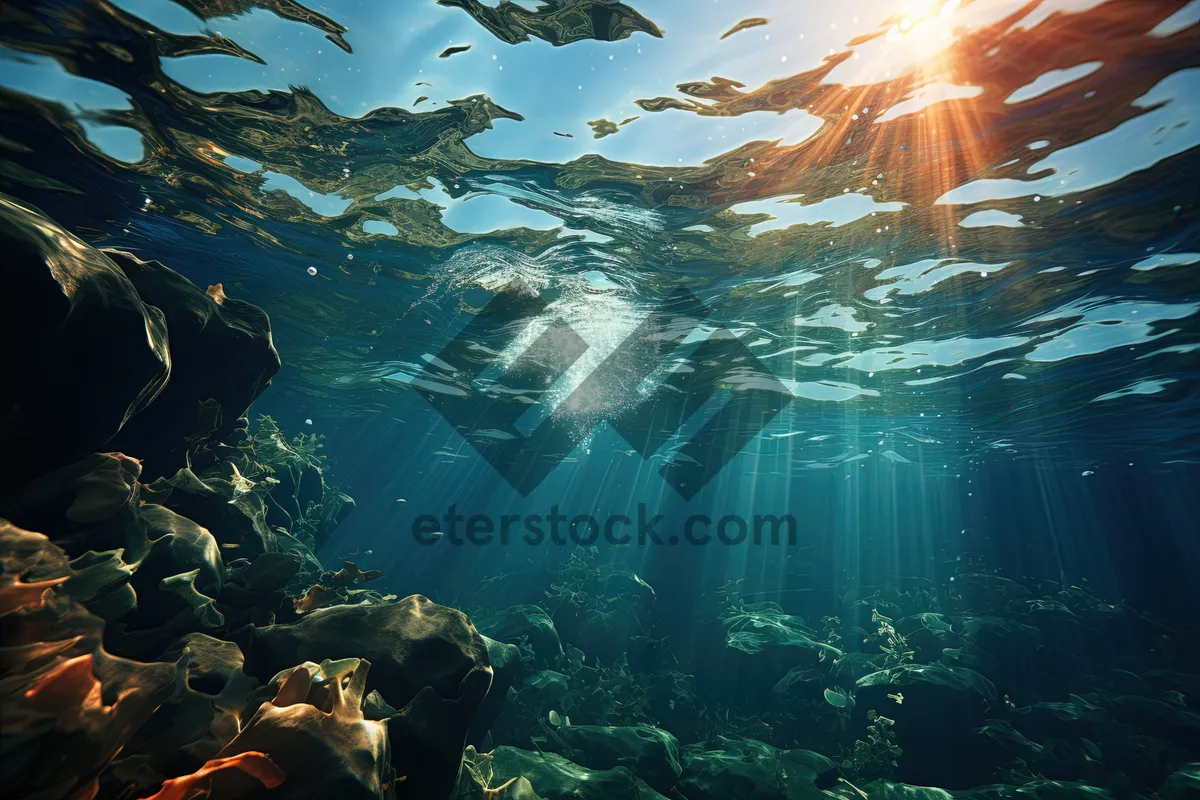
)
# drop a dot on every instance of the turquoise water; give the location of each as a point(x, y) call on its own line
point(946, 252)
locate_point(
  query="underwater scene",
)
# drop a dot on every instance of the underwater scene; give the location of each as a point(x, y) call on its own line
point(600, 400)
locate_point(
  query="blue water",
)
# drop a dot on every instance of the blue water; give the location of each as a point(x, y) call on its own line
point(961, 239)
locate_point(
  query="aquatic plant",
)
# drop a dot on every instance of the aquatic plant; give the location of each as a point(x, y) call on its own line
point(876, 756)
point(894, 646)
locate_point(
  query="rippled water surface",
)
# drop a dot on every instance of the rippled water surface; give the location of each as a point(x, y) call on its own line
point(962, 235)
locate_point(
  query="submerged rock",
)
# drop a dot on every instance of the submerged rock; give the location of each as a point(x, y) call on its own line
point(83, 351)
point(314, 730)
point(427, 661)
point(221, 351)
point(505, 660)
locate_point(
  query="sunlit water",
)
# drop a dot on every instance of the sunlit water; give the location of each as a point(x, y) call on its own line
point(962, 235)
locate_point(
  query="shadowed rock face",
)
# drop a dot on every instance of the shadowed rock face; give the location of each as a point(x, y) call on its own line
point(83, 352)
point(427, 660)
point(221, 350)
point(315, 730)
point(105, 335)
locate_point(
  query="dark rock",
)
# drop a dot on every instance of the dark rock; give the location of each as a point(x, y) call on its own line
point(314, 730)
point(267, 572)
point(70, 318)
point(427, 660)
point(221, 350)
point(505, 660)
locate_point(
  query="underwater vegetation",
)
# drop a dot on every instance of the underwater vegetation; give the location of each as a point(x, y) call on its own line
point(930, 267)
point(177, 636)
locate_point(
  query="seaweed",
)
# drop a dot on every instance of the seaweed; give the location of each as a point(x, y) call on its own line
point(877, 756)
point(894, 646)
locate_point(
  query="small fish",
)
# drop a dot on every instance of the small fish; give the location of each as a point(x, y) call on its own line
point(458, 48)
point(750, 22)
point(422, 83)
point(401, 500)
point(898, 697)
point(565, 135)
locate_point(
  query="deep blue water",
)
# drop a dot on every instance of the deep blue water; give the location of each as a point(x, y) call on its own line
point(955, 246)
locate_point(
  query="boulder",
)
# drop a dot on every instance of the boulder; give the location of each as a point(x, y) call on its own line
point(427, 660)
point(221, 350)
point(83, 352)
point(505, 660)
point(314, 731)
